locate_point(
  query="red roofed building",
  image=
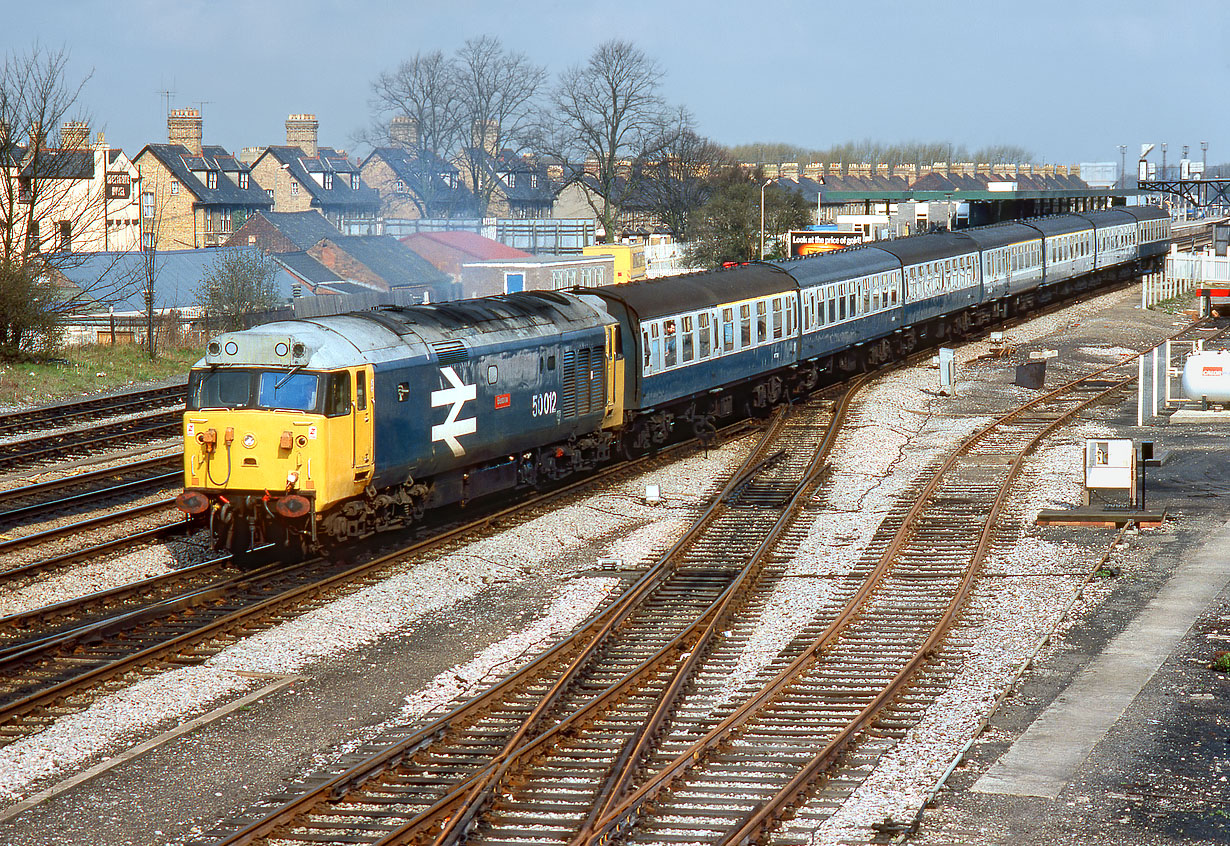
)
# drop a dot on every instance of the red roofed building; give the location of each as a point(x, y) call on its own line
point(449, 250)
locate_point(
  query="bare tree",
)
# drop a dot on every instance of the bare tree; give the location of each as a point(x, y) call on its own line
point(680, 178)
point(608, 113)
point(240, 283)
point(48, 197)
point(497, 88)
point(154, 201)
point(423, 89)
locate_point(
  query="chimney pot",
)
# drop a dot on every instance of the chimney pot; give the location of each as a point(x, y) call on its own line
point(302, 131)
point(184, 127)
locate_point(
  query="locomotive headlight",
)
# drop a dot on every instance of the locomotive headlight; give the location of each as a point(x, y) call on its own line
point(249, 440)
point(231, 348)
point(281, 348)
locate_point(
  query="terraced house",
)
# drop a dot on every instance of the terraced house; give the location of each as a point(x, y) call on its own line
point(193, 195)
point(303, 176)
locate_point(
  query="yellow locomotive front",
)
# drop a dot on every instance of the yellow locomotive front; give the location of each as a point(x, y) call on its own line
point(271, 442)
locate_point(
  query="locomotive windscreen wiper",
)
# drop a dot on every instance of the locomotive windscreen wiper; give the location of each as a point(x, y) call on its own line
point(286, 378)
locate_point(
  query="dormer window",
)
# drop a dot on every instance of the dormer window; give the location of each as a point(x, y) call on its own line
point(450, 179)
point(243, 179)
point(399, 186)
point(354, 182)
point(511, 179)
point(211, 179)
point(533, 180)
point(328, 180)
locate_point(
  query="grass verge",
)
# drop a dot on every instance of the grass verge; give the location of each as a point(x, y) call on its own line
point(89, 370)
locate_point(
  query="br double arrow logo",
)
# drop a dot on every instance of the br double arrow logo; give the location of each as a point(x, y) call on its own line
point(456, 396)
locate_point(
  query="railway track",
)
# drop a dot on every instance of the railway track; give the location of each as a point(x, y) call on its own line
point(71, 494)
point(76, 442)
point(94, 408)
point(78, 648)
point(664, 753)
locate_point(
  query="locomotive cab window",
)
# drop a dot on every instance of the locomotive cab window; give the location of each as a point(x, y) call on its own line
point(337, 395)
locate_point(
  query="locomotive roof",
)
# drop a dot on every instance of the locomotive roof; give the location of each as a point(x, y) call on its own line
point(837, 265)
point(938, 245)
point(650, 298)
point(527, 310)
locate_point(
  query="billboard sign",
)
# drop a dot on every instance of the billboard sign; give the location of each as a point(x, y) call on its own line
point(810, 242)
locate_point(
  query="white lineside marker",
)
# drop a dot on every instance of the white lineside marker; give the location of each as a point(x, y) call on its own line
point(653, 495)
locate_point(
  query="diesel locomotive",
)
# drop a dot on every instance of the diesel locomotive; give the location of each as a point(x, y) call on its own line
point(307, 433)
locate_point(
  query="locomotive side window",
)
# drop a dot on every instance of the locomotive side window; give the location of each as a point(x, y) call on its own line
point(337, 395)
point(360, 390)
point(492, 374)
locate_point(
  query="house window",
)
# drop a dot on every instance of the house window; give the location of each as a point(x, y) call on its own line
point(399, 186)
point(211, 179)
point(354, 182)
point(511, 179)
point(294, 188)
point(147, 205)
point(533, 180)
point(328, 181)
point(174, 186)
point(64, 229)
point(243, 179)
point(450, 179)
point(269, 193)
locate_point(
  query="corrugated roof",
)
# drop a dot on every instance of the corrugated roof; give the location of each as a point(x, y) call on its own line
point(178, 276)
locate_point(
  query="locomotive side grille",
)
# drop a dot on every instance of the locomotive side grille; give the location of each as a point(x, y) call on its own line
point(597, 382)
point(450, 352)
point(582, 381)
point(568, 404)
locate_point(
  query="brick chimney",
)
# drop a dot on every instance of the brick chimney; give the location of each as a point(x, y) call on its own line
point(74, 135)
point(184, 127)
point(403, 132)
point(484, 135)
point(302, 132)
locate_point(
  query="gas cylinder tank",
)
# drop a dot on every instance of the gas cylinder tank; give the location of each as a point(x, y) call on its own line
point(1206, 375)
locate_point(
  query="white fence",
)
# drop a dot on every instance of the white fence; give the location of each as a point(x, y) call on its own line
point(1185, 272)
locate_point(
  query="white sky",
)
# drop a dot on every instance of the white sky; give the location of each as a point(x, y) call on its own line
point(1069, 80)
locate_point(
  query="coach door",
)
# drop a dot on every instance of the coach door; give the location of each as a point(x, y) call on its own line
point(362, 417)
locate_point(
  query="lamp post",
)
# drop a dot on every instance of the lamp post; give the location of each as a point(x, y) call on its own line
point(1163, 161)
point(1123, 165)
point(1204, 158)
point(767, 183)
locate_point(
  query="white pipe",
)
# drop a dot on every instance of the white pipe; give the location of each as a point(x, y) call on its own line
point(1157, 385)
point(1140, 390)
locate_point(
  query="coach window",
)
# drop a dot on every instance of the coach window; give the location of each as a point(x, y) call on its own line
point(777, 317)
point(689, 348)
point(669, 344)
point(645, 347)
point(791, 326)
point(704, 334)
point(745, 326)
point(728, 330)
point(655, 348)
point(841, 302)
point(762, 322)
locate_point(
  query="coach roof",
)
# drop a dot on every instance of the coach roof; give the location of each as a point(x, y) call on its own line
point(652, 298)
